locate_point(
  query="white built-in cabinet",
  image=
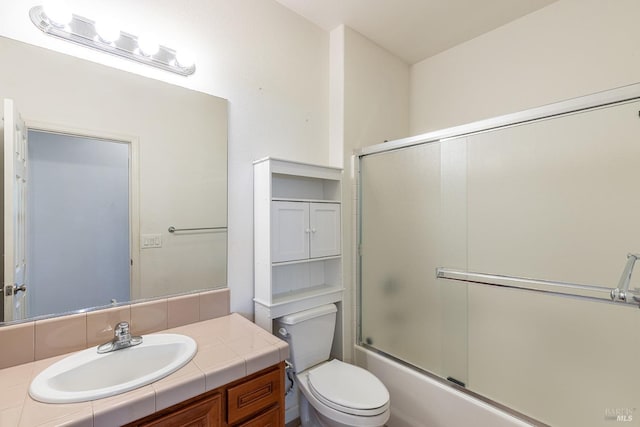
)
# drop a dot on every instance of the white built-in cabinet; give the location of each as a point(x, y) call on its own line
point(297, 238)
point(302, 230)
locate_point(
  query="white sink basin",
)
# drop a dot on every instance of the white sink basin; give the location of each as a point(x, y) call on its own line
point(87, 375)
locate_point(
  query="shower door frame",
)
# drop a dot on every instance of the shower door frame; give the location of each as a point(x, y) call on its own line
point(617, 96)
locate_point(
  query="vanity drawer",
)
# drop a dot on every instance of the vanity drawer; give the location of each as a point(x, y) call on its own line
point(253, 396)
point(271, 418)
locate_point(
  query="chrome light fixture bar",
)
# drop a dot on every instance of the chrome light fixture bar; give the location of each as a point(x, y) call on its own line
point(84, 31)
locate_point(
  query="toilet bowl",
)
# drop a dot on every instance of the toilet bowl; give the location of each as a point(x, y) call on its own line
point(337, 394)
point(333, 393)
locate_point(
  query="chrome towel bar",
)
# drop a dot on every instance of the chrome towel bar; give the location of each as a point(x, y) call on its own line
point(172, 229)
point(598, 293)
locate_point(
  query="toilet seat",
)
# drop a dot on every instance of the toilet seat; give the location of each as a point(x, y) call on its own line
point(348, 388)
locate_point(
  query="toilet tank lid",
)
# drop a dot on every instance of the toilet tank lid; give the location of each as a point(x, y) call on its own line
point(301, 316)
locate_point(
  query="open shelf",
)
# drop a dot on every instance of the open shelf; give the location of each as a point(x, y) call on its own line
point(293, 199)
point(302, 299)
point(289, 187)
point(299, 294)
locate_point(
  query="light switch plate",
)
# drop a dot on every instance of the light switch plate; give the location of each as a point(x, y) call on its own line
point(151, 241)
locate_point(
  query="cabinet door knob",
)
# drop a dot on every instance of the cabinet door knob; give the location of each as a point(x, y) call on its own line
point(307, 230)
point(313, 230)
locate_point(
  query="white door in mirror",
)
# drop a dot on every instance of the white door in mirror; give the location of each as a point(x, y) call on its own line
point(87, 375)
point(15, 212)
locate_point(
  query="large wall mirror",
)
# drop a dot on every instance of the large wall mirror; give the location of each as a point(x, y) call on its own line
point(113, 160)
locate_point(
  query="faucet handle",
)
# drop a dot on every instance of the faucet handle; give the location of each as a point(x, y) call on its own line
point(122, 339)
point(122, 329)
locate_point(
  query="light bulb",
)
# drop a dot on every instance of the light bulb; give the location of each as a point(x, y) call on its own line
point(185, 59)
point(148, 46)
point(107, 31)
point(58, 12)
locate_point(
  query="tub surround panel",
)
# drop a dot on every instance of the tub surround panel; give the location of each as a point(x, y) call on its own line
point(42, 339)
point(229, 348)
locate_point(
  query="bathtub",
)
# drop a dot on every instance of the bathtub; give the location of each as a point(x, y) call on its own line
point(419, 400)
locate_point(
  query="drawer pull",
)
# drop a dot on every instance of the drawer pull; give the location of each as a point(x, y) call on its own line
point(253, 396)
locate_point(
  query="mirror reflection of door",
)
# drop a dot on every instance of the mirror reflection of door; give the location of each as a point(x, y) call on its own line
point(78, 231)
point(14, 139)
point(66, 233)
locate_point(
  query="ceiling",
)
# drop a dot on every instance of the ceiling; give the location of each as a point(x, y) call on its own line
point(415, 29)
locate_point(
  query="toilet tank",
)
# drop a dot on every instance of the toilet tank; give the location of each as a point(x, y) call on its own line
point(309, 334)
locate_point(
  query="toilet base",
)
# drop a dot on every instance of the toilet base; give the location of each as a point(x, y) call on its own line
point(312, 417)
point(309, 417)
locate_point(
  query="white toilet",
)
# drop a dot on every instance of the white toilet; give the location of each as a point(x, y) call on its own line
point(334, 393)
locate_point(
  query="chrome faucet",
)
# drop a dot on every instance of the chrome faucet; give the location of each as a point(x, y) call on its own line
point(122, 339)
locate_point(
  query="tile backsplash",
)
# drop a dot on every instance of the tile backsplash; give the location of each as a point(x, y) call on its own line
point(40, 339)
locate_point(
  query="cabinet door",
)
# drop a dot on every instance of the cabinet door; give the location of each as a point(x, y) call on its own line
point(206, 413)
point(290, 231)
point(325, 229)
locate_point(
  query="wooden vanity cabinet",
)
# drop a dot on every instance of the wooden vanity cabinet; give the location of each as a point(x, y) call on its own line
point(251, 396)
point(204, 412)
point(254, 401)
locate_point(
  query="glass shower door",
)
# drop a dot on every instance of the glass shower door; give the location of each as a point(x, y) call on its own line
point(406, 312)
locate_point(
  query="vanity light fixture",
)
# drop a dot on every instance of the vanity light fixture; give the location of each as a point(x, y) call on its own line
point(107, 38)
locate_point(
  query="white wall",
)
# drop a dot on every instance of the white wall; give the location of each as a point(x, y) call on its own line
point(376, 93)
point(370, 104)
point(567, 49)
point(271, 64)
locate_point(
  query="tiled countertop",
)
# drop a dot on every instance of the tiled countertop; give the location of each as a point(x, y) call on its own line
point(229, 348)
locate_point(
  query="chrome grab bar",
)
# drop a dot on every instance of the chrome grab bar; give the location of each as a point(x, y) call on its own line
point(172, 229)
